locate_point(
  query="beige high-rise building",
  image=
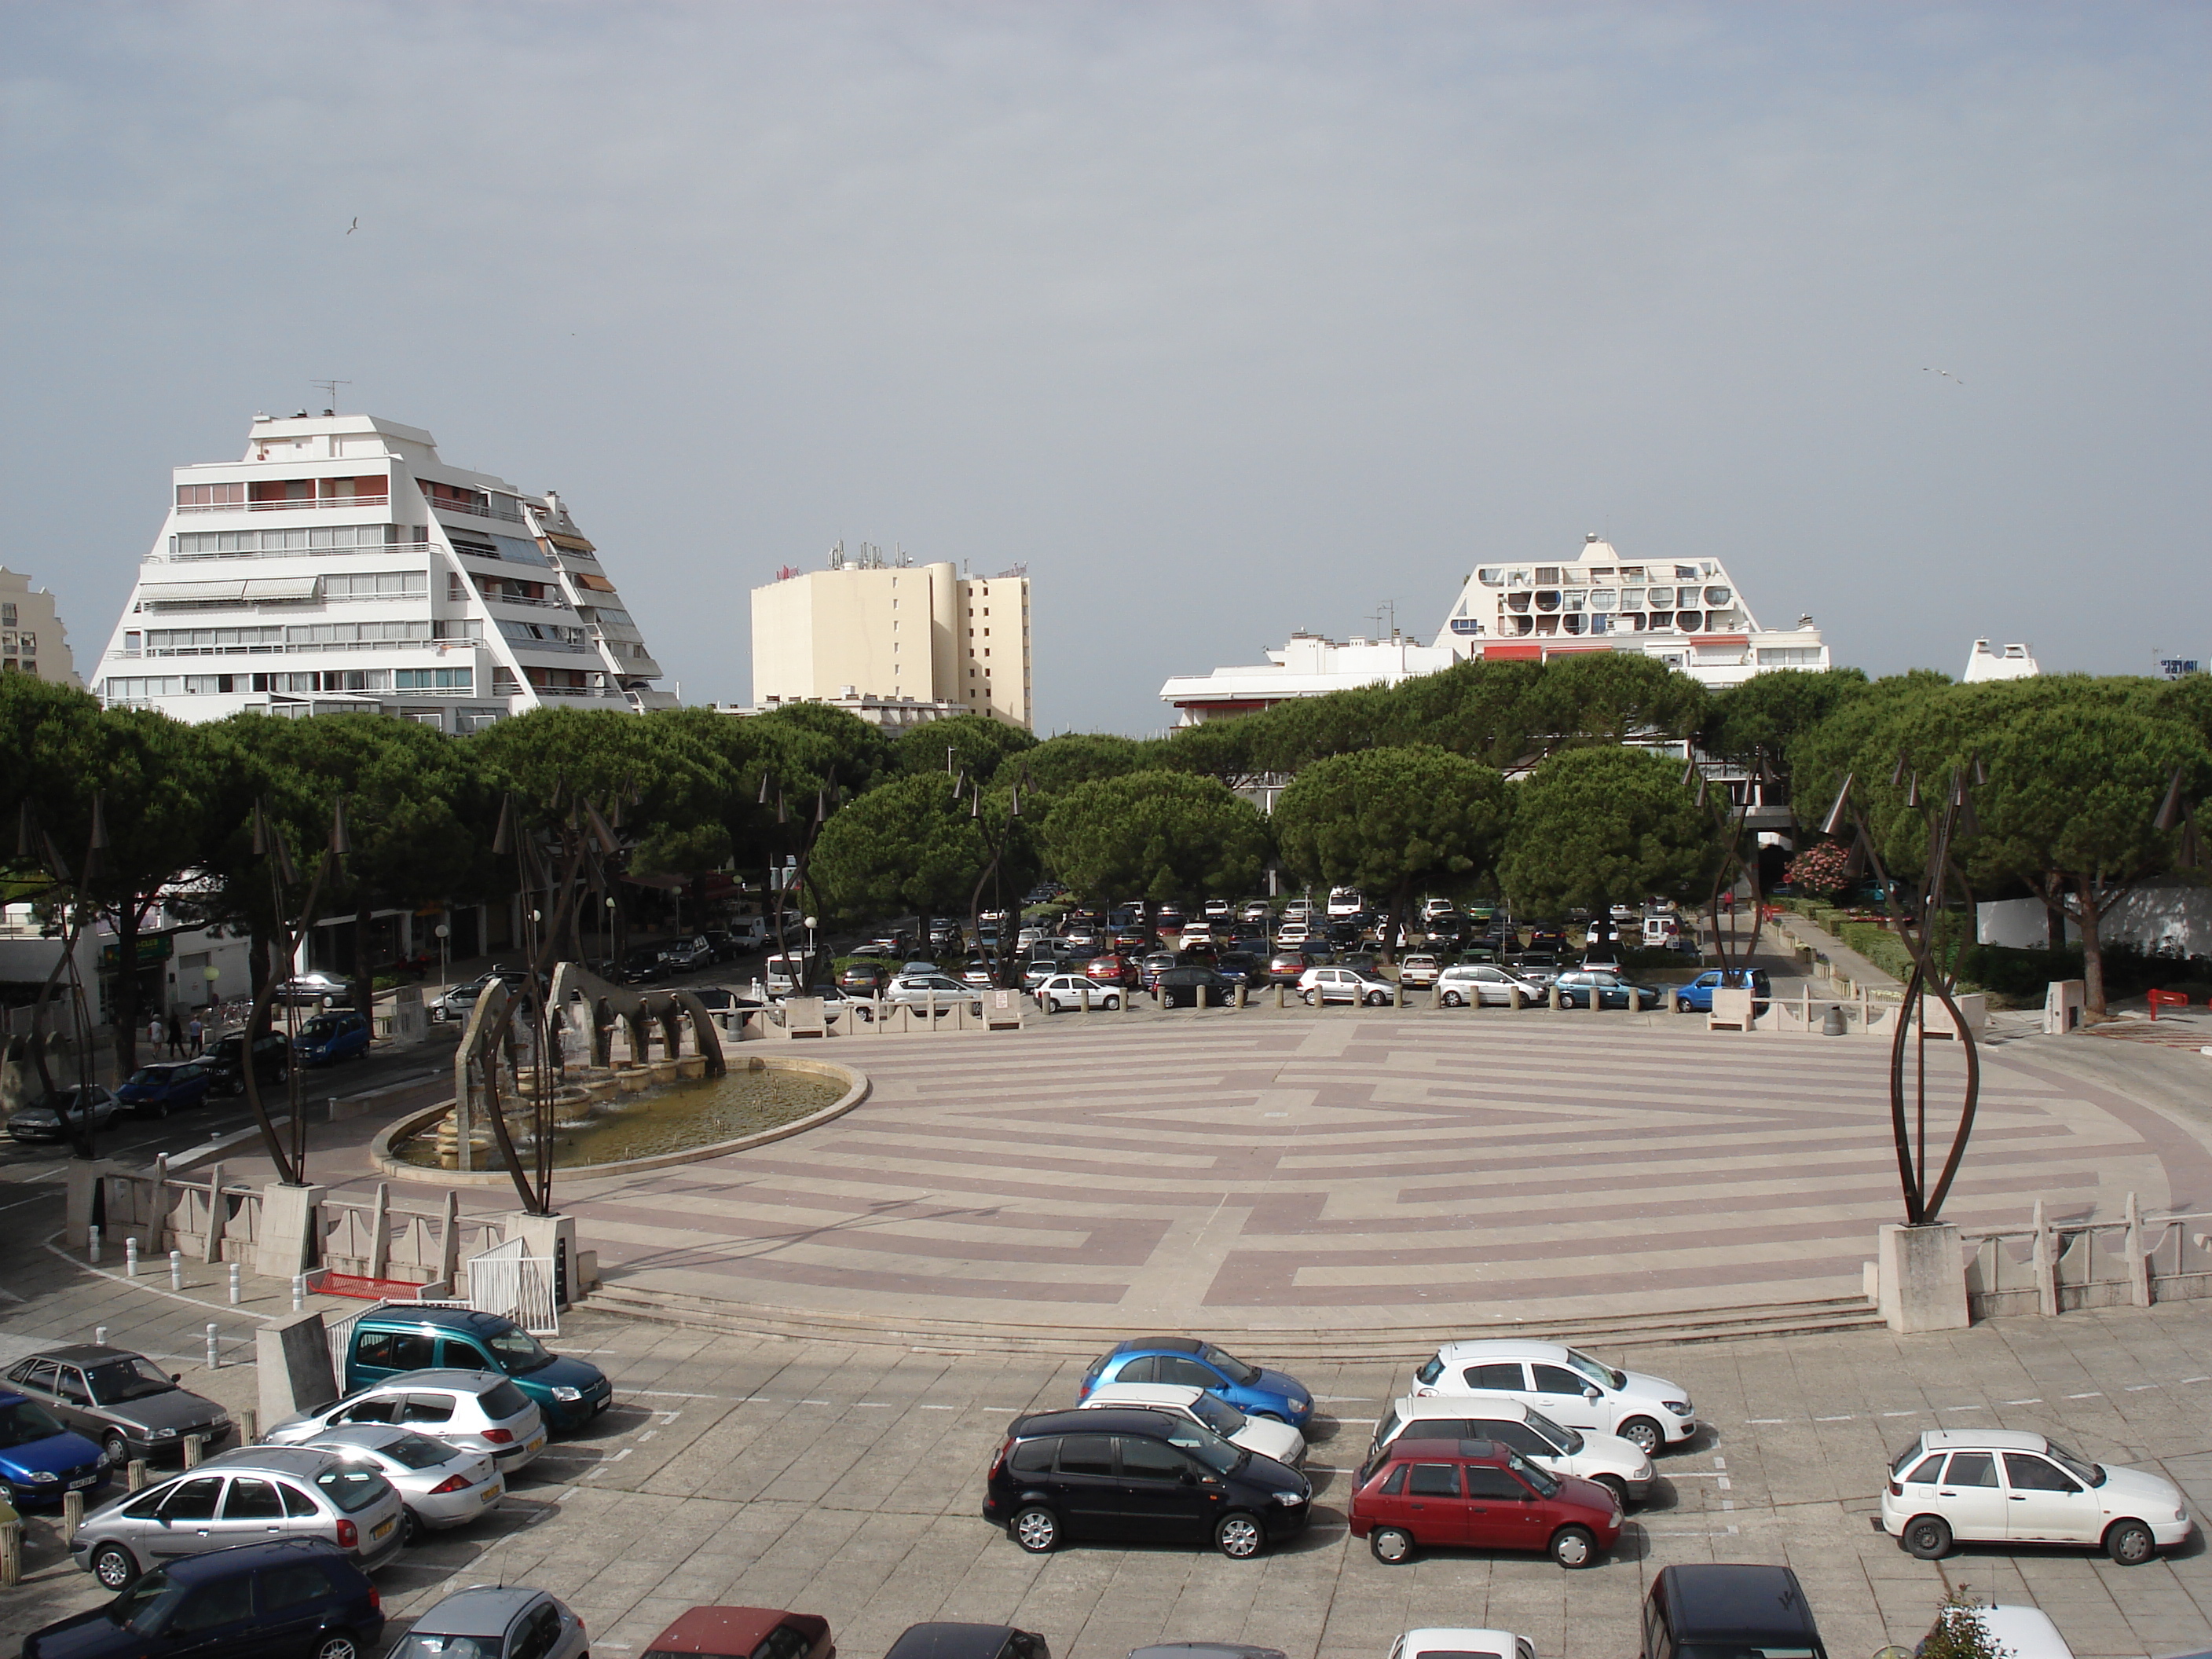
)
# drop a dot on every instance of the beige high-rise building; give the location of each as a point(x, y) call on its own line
point(864, 628)
point(31, 638)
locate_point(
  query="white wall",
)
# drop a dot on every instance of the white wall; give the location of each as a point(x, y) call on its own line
point(2171, 915)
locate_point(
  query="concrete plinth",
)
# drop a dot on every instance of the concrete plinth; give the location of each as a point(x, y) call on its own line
point(296, 1373)
point(286, 1243)
point(1921, 1278)
point(83, 1200)
point(551, 1238)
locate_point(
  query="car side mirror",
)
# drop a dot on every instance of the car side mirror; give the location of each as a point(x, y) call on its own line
point(1190, 1477)
point(1593, 1393)
point(176, 1377)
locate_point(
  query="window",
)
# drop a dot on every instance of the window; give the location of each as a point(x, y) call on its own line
point(294, 1585)
point(428, 1408)
point(1433, 1480)
point(1519, 1436)
point(1186, 1373)
point(297, 1504)
point(2025, 1473)
point(226, 1602)
point(252, 1500)
point(194, 1500)
point(1789, 656)
point(1150, 1460)
point(394, 1350)
point(379, 1408)
point(1972, 1469)
point(1929, 1468)
point(540, 1631)
point(69, 1384)
point(1395, 1483)
point(1557, 1379)
point(352, 1489)
point(433, 679)
point(465, 1356)
point(1034, 1456)
point(1483, 1481)
point(1505, 1375)
point(377, 585)
point(1086, 1454)
point(212, 494)
point(783, 1642)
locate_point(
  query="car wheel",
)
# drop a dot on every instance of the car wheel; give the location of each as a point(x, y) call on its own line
point(1239, 1536)
point(338, 1644)
point(1642, 1433)
point(1452, 999)
point(1392, 1546)
point(1573, 1547)
point(1035, 1529)
point(1927, 1536)
point(410, 1528)
point(1311, 997)
point(2129, 1543)
point(1375, 998)
point(1617, 1486)
point(1112, 1002)
point(117, 1448)
point(112, 1566)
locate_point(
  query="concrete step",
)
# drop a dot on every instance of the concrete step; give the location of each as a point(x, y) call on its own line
point(1410, 1343)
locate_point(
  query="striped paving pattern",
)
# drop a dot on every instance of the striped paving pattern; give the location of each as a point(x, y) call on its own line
point(1244, 1172)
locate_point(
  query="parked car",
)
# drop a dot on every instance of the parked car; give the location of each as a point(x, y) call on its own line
point(1481, 1495)
point(459, 1001)
point(1262, 1436)
point(1578, 985)
point(442, 1485)
point(1484, 985)
point(1150, 970)
point(1567, 1386)
point(1240, 967)
point(1605, 1458)
point(250, 1496)
point(1346, 901)
point(723, 944)
point(396, 1337)
point(489, 1620)
point(1353, 985)
point(1169, 918)
point(685, 955)
point(1419, 971)
point(1059, 992)
point(478, 1411)
point(743, 1632)
point(67, 1113)
point(946, 1641)
point(1113, 971)
point(643, 965)
point(40, 1458)
point(123, 1400)
point(311, 990)
point(1254, 910)
point(864, 979)
point(158, 1090)
point(1184, 988)
point(1724, 1606)
point(293, 1599)
point(2017, 1632)
point(1999, 1486)
point(331, 1038)
point(978, 974)
point(1200, 1365)
point(1195, 932)
point(917, 990)
point(1130, 1473)
point(1697, 997)
point(1128, 941)
point(225, 1060)
point(1446, 1642)
point(1287, 966)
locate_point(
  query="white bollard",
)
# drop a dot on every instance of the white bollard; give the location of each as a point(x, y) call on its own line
point(130, 1258)
point(176, 1270)
point(215, 1354)
point(237, 1291)
point(92, 1245)
point(99, 1336)
point(299, 1291)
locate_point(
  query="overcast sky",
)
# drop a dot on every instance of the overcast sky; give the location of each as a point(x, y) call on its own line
point(1227, 320)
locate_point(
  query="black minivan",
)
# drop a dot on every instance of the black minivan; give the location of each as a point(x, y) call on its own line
point(1111, 1472)
point(1725, 1607)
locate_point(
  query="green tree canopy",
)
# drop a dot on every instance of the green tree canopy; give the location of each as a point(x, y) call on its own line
point(980, 746)
point(1591, 826)
point(1058, 764)
point(905, 845)
point(1391, 821)
point(1156, 836)
point(1770, 712)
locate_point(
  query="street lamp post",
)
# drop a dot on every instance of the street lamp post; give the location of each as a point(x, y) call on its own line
point(444, 934)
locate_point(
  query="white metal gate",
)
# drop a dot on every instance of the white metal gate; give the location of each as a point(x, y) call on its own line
point(503, 1281)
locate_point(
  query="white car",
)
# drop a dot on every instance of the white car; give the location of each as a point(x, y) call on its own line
point(1419, 971)
point(480, 1412)
point(1262, 1436)
point(917, 990)
point(1217, 909)
point(1060, 992)
point(1292, 933)
point(1346, 901)
point(1567, 1386)
point(1254, 910)
point(1197, 932)
point(1605, 1458)
point(2019, 1632)
point(1354, 985)
point(1484, 985)
point(2001, 1485)
point(1453, 1644)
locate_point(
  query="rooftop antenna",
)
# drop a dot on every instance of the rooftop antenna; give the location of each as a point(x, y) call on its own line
point(329, 390)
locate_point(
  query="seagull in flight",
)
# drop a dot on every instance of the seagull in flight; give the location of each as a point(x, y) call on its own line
point(354, 226)
point(1946, 374)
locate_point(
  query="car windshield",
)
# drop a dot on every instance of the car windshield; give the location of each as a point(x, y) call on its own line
point(153, 1075)
point(23, 1423)
point(518, 1352)
point(414, 1451)
point(126, 1379)
point(425, 1644)
point(146, 1604)
point(1604, 1376)
point(2088, 1474)
point(1242, 1375)
point(352, 1487)
point(1217, 1414)
point(1897, 1464)
point(1546, 1483)
point(1432, 1371)
point(1207, 1447)
point(1564, 1438)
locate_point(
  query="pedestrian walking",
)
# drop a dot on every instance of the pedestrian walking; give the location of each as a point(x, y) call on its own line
point(154, 1033)
point(197, 1033)
point(176, 1035)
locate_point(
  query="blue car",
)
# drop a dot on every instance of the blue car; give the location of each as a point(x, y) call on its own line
point(157, 1090)
point(395, 1337)
point(41, 1459)
point(1697, 997)
point(328, 1038)
point(297, 1598)
point(1186, 1361)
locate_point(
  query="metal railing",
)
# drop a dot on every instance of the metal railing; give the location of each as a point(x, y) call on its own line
point(302, 504)
point(374, 549)
point(471, 509)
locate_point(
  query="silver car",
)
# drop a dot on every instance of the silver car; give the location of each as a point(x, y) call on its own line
point(495, 1623)
point(442, 1484)
point(470, 1411)
point(250, 1496)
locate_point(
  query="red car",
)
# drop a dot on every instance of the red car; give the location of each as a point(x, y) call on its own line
point(1479, 1494)
point(745, 1633)
point(1113, 971)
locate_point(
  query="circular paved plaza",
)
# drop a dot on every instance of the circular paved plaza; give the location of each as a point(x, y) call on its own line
point(1248, 1173)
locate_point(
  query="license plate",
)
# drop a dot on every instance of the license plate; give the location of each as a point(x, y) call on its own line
point(379, 1530)
point(535, 1445)
point(79, 1486)
point(491, 1493)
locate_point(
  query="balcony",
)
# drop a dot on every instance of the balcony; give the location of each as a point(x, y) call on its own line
point(517, 599)
point(477, 510)
point(373, 549)
point(302, 504)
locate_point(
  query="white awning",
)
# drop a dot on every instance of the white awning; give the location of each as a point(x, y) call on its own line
point(190, 592)
point(281, 588)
